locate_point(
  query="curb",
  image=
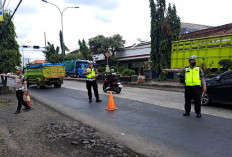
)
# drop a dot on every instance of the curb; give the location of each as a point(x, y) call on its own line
point(140, 85)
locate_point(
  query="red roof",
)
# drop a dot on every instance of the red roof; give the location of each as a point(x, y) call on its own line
point(214, 31)
point(38, 62)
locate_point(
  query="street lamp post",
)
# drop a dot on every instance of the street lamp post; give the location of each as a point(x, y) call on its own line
point(62, 27)
point(22, 49)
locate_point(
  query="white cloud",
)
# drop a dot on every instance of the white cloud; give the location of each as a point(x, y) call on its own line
point(130, 18)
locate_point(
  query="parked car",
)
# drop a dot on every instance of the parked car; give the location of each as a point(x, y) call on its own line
point(219, 89)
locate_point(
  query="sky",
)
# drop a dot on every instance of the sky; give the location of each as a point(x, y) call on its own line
point(129, 18)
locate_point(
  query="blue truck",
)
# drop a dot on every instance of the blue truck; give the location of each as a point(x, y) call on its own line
point(75, 68)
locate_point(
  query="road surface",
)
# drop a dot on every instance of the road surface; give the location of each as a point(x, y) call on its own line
point(148, 121)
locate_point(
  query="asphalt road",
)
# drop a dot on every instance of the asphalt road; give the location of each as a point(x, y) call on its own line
point(148, 121)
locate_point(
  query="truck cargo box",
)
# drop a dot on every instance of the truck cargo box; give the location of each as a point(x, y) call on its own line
point(208, 50)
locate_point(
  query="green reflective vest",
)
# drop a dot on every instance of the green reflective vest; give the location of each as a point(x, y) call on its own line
point(91, 75)
point(192, 77)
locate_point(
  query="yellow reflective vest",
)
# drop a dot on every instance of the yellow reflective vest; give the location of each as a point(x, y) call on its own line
point(192, 77)
point(91, 75)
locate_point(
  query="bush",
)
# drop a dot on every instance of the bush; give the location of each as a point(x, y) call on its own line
point(101, 69)
point(128, 72)
point(225, 63)
point(113, 67)
point(121, 68)
point(118, 73)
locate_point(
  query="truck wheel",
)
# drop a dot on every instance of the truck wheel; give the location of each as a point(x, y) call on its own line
point(39, 86)
point(57, 85)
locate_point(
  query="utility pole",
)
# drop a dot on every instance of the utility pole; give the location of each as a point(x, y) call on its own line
point(45, 40)
point(62, 30)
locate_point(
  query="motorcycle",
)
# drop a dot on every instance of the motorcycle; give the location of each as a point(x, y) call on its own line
point(112, 83)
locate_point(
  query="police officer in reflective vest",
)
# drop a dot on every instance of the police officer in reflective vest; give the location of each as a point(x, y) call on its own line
point(91, 74)
point(194, 85)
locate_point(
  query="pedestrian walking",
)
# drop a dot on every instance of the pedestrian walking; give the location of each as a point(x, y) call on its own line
point(194, 85)
point(91, 74)
point(20, 86)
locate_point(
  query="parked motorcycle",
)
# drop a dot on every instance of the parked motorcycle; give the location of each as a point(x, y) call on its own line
point(112, 83)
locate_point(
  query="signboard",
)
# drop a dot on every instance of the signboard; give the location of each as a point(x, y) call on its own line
point(1, 11)
point(107, 54)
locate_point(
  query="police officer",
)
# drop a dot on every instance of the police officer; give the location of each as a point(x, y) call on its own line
point(91, 74)
point(20, 87)
point(194, 79)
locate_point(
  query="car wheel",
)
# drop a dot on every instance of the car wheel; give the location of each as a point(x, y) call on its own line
point(205, 99)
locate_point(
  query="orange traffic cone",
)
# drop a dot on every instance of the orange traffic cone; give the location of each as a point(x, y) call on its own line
point(111, 106)
point(28, 100)
point(140, 78)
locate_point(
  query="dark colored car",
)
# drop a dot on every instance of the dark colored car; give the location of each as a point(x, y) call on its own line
point(219, 89)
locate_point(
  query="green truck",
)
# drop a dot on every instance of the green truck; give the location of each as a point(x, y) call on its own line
point(45, 74)
point(208, 50)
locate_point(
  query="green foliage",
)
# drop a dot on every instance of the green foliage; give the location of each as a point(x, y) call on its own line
point(128, 72)
point(55, 58)
point(84, 50)
point(225, 63)
point(61, 40)
point(101, 44)
point(118, 73)
point(73, 56)
point(101, 69)
point(165, 28)
point(9, 48)
point(121, 68)
point(219, 72)
point(114, 67)
point(50, 50)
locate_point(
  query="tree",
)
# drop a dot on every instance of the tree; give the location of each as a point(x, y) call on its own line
point(84, 50)
point(225, 63)
point(9, 48)
point(55, 58)
point(61, 41)
point(101, 44)
point(165, 28)
point(74, 56)
point(50, 50)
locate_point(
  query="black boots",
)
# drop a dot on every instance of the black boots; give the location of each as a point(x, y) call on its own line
point(17, 112)
point(186, 114)
point(198, 115)
point(98, 100)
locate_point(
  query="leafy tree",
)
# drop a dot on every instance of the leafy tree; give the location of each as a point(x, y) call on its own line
point(101, 44)
point(84, 50)
point(61, 40)
point(9, 48)
point(225, 63)
point(50, 50)
point(55, 58)
point(73, 56)
point(116, 43)
point(165, 28)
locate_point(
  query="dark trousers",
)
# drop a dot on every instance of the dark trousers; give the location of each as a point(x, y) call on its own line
point(195, 93)
point(93, 84)
point(19, 95)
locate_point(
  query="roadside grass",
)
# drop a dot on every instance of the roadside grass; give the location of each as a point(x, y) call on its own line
point(1, 105)
point(1, 138)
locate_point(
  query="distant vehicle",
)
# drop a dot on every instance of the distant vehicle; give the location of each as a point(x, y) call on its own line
point(112, 83)
point(45, 74)
point(75, 68)
point(219, 89)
